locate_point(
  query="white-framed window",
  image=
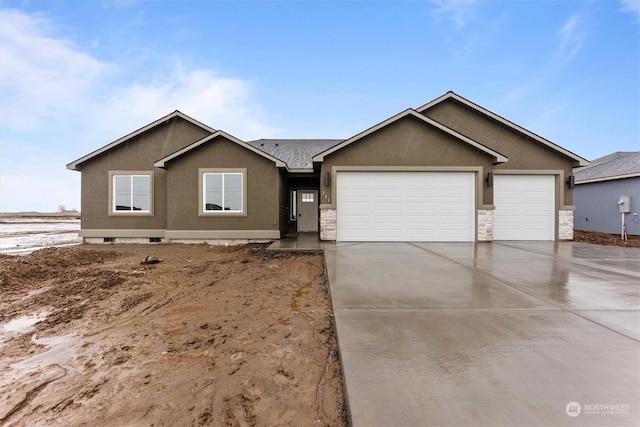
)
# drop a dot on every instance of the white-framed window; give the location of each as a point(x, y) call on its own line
point(222, 191)
point(131, 193)
point(307, 197)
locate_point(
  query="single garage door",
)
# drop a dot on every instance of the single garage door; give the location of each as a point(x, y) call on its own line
point(406, 206)
point(524, 207)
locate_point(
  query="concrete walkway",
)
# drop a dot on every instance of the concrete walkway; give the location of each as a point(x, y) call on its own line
point(488, 334)
point(301, 242)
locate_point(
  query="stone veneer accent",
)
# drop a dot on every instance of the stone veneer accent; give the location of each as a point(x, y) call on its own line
point(485, 225)
point(565, 225)
point(328, 224)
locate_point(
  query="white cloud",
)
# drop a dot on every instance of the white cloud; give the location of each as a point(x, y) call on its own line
point(518, 94)
point(460, 12)
point(632, 6)
point(57, 102)
point(42, 77)
point(220, 102)
point(571, 37)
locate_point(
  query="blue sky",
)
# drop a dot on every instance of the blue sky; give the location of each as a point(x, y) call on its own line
point(76, 75)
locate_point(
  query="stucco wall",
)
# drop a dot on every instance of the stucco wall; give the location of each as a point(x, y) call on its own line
point(523, 152)
point(597, 206)
point(283, 205)
point(263, 189)
point(408, 142)
point(138, 154)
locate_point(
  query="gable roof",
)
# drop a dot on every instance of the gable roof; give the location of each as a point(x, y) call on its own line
point(75, 164)
point(616, 165)
point(451, 95)
point(296, 153)
point(162, 163)
point(499, 158)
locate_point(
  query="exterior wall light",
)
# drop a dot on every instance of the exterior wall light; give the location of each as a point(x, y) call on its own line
point(489, 179)
point(571, 181)
point(327, 179)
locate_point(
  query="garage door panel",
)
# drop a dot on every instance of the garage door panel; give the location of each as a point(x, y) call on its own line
point(406, 206)
point(524, 207)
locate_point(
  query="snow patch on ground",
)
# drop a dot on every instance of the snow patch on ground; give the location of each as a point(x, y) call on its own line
point(21, 236)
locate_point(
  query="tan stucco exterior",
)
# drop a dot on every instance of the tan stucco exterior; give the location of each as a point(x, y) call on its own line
point(449, 134)
point(175, 206)
point(263, 185)
point(137, 154)
point(524, 153)
point(410, 145)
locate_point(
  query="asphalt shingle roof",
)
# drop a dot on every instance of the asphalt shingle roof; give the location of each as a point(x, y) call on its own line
point(296, 153)
point(615, 164)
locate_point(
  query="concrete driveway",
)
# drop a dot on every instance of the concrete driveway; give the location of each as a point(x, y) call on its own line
point(510, 333)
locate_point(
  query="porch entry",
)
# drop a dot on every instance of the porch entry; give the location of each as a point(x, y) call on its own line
point(305, 210)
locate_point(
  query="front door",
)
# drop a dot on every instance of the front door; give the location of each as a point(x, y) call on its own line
point(308, 211)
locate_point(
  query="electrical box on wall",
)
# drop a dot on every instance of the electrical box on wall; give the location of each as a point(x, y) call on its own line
point(624, 204)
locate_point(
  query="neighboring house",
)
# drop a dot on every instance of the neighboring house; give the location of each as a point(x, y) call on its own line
point(447, 171)
point(599, 187)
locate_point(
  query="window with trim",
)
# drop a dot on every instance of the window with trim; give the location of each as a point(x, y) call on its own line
point(131, 193)
point(223, 192)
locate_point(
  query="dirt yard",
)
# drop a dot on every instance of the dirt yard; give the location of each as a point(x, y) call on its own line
point(598, 238)
point(208, 336)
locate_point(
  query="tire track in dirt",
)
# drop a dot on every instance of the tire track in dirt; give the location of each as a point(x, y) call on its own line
point(222, 336)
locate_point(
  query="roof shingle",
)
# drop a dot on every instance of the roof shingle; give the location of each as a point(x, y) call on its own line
point(296, 153)
point(618, 164)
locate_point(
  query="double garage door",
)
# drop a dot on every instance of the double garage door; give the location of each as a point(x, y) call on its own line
point(406, 206)
point(440, 207)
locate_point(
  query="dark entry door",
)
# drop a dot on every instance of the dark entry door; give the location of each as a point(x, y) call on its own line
point(308, 211)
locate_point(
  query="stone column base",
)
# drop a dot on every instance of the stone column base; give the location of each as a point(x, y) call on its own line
point(328, 224)
point(485, 225)
point(565, 225)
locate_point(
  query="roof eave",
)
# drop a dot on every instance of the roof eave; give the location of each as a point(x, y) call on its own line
point(608, 178)
point(320, 156)
point(162, 163)
point(75, 164)
point(499, 158)
point(452, 95)
point(300, 170)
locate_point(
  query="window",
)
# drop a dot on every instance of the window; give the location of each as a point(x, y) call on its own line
point(293, 202)
point(222, 192)
point(131, 193)
point(307, 197)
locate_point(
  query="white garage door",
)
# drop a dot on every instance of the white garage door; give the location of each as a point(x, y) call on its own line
point(524, 207)
point(406, 206)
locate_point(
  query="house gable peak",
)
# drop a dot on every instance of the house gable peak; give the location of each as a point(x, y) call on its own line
point(162, 163)
point(499, 158)
point(450, 95)
point(75, 165)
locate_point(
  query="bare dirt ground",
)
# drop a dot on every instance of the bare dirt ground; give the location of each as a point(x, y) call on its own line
point(598, 238)
point(209, 336)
